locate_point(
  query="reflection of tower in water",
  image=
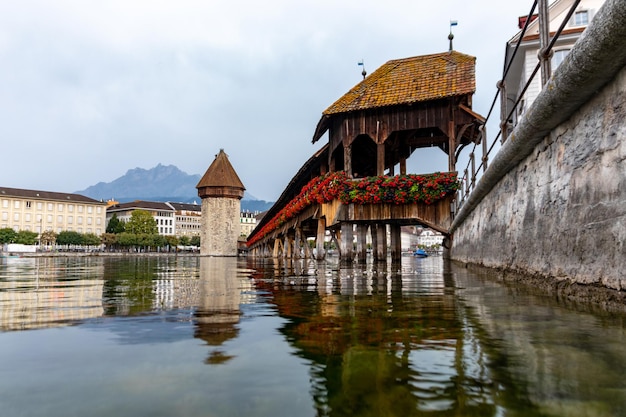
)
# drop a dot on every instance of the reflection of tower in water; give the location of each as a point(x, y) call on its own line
point(218, 311)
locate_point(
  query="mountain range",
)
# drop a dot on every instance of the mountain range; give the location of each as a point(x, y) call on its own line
point(161, 183)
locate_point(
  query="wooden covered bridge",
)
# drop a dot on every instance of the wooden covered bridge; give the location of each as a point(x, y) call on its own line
point(357, 183)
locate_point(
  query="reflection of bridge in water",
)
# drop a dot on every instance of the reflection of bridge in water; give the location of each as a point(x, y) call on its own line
point(379, 341)
point(350, 187)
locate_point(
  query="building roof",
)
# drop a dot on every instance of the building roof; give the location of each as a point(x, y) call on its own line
point(141, 205)
point(185, 206)
point(47, 195)
point(411, 80)
point(220, 174)
point(220, 179)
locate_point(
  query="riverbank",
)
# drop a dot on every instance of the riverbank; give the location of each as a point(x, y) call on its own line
point(592, 296)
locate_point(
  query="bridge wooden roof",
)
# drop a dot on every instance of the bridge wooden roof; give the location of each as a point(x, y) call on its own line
point(406, 81)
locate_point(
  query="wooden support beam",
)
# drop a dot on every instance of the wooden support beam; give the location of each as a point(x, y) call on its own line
point(361, 243)
point(319, 238)
point(346, 249)
point(277, 248)
point(380, 159)
point(381, 242)
point(396, 243)
point(403, 165)
point(297, 243)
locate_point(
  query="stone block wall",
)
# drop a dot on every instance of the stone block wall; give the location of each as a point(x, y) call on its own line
point(560, 212)
point(220, 226)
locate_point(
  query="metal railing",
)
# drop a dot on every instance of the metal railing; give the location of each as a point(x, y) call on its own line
point(472, 173)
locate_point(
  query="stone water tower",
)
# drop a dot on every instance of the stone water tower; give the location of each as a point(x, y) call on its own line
point(221, 191)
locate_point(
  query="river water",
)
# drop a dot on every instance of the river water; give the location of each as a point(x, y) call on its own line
point(189, 336)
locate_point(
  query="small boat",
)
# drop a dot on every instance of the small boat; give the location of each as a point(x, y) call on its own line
point(420, 253)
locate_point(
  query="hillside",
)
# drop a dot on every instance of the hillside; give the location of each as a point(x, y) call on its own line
point(161, 183)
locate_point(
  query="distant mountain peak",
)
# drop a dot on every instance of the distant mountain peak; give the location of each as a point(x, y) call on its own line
point(160, 183)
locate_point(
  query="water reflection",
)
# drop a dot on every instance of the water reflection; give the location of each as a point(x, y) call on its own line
point(41, 293)
point(381, 341)
point(298, 338)
point(221, 294)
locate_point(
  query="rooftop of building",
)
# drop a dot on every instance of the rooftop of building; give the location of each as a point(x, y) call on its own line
point(47, 195)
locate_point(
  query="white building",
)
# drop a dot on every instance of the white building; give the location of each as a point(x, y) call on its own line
point(163, 214)
point(248, 222)
point(525, 60)
point(187, 219)
point(429, 238)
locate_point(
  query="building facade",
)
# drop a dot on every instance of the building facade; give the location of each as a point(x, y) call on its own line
point(247, 220)
point(523, 62)
point(163, 214)
point(39, 211)
point(187, 219)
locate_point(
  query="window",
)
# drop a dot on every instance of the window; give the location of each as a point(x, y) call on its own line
point(29, 204)
point(558, 57)
point(16, 217)
point(16, 204)
point(27, 217)
point(70, 208)
point(39, 206)
point(99, 210)
point(80, 220)
point(80, 209)
point(89, 209)
point(59, 219)
point(5, 203)
point(70, 219)
point(50, 206)
point(98, 220)
point(49, 219)
point(60, 206)
point(5, 215)
point(581, 18)
point(89, 220)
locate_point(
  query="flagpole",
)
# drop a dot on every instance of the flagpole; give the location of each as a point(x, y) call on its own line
point(451, 36)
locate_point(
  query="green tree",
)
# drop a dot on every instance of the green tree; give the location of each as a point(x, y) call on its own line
point(127, 239)
point(141, 221)
point(68, 237)
point(7, 235)
point(172, 242)
point(91, 239)
point(184, 240)
point(48, 238)
point(26, 237)
point(195, 241)
point(115, 225)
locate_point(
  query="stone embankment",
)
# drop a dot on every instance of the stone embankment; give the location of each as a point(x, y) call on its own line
point(553, 202)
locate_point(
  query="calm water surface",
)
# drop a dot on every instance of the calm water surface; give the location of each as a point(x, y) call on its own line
point(235, 337)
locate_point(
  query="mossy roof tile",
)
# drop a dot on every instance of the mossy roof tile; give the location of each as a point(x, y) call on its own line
point(411, 80)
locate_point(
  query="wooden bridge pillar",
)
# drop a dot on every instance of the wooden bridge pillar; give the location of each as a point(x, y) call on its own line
point(379, 242)
point(297, 243)
point(361, 243)
point(319, 238)
point(346, 244)
point(396, 243)
point(277, 248)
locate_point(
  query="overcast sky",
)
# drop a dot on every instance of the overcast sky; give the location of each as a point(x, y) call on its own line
point(90, 89)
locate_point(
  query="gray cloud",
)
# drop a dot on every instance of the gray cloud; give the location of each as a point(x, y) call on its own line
point(91, 89)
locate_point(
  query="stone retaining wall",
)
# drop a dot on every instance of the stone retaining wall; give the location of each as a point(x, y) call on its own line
point(561, 211)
